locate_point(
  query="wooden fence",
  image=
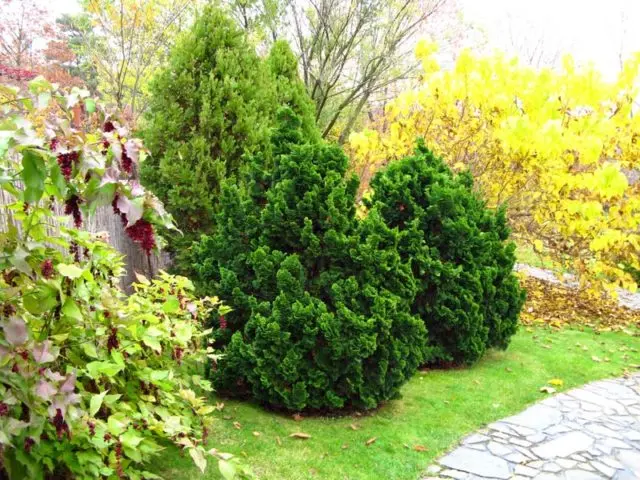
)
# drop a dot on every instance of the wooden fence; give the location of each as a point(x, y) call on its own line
point(102, 221)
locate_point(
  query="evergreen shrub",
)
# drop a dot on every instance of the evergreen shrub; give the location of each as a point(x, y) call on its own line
point(321, 299)
point(458, 249)
point(212, 108)
point(211, 105)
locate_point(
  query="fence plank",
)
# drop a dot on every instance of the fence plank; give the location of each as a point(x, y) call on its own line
point(102, 221)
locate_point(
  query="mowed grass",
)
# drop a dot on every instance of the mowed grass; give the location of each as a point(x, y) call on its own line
point(436, 410)
point(527, 255)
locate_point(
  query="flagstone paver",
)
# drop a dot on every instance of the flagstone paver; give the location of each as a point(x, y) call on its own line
point(589, 433)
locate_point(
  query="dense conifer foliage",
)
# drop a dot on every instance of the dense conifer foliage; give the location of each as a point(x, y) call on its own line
point(209, 107)
point(467, 294)
point(321, 300)
point(212, 107)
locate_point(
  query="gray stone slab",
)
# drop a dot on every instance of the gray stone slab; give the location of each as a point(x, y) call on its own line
point(631, 460)
point(475, 438)
point(478, 463)
point(564, 445)
point(582, 475)
point(455, 474)
point(499, 449)
point(525, 471)
point(590, 433)
point(603, 469)
point(537, 417)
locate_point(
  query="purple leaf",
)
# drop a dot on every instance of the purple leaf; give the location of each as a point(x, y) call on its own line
point(15, 331)
point(43, 353)
point(123, 204)
point(132, 209)
point(116, 148)
point(53, 376)
point(136, 189)
point(69, 384)
point(111, 175)
point(61, 402)
point(132, 147)
point(45, 390)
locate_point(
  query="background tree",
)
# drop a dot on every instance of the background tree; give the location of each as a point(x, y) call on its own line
point(558, 147)
point(289, 90)
point(209, 107)
point(76, 32)
point(22, 24)
point(351, 53)
point(135, 37)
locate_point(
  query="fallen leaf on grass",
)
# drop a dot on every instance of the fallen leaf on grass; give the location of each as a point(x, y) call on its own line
point(596, 358)
point(509, 369)
point(278, 441)
point(420, 448)
point(353, 426)
point(219, 406)
point(556, 382)
point(300, 435)
point(345, 446)
point(547, 389)
point(371, 441)
point(256, 434)
point(237, 425)
point(227, 417)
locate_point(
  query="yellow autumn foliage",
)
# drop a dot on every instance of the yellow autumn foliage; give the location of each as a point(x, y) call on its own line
point(560, 147)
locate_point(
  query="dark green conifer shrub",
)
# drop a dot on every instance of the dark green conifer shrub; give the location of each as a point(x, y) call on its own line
point(467, 294)
point(321, 300)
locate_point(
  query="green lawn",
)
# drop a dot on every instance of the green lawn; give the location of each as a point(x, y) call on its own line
point(527, 255)
point(437, 408)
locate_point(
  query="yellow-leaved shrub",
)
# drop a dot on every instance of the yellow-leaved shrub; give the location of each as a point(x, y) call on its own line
point(560, 148)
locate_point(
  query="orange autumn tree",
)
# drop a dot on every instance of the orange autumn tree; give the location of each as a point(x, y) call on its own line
point(560, 148)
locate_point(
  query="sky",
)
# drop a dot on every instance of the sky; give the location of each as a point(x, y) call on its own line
point(595, 31)
point(59, 7)
point(591, 30)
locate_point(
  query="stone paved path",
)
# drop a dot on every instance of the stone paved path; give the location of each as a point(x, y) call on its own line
point(589, 433)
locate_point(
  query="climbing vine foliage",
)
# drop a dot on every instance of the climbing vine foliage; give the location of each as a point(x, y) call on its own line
point(560, 148)
point(92, 383)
